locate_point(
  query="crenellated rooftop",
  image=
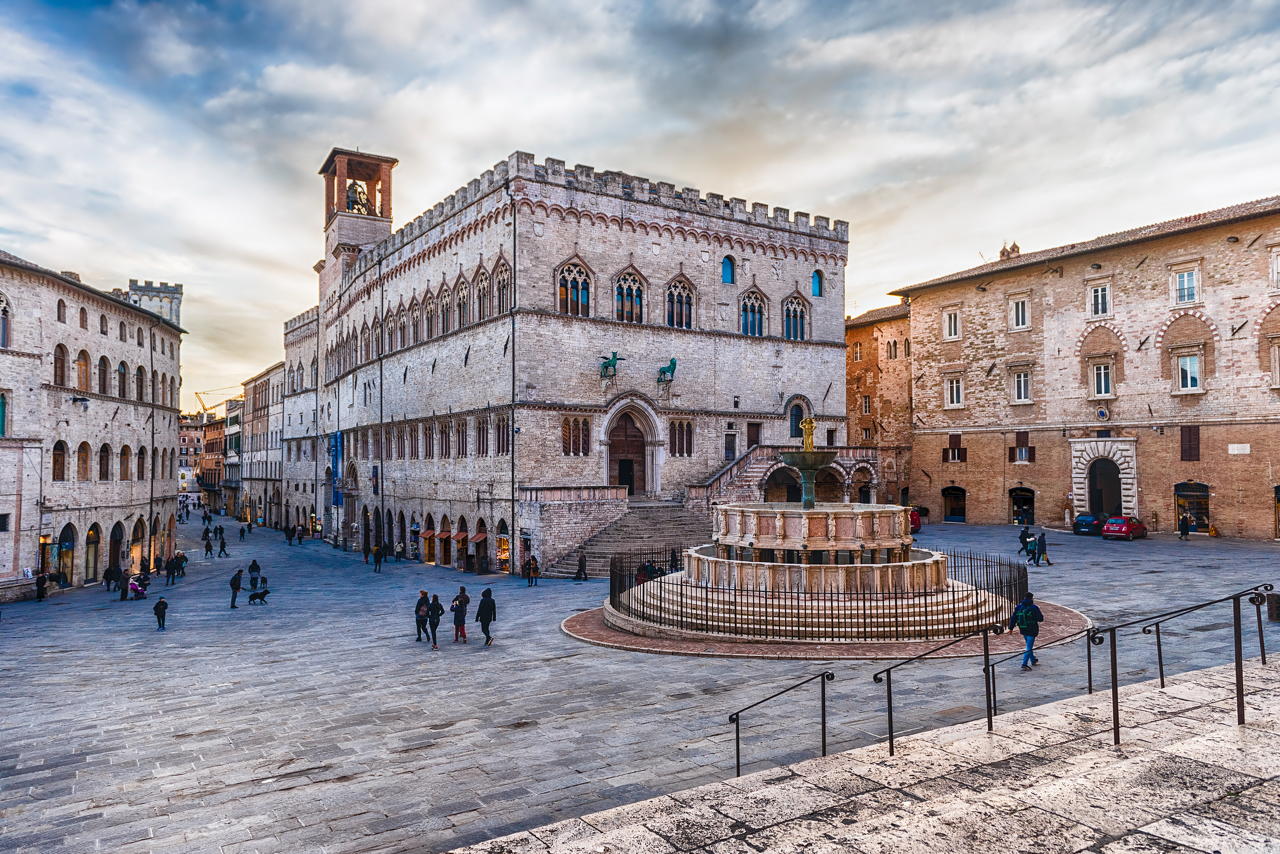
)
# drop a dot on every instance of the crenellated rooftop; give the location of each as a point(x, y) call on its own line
point(620, 185)
point(311, 315)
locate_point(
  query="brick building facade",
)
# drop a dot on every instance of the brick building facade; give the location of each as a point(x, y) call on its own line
point(88, 429)
point(262, 447)
point(1135, 373)
point(878, 395)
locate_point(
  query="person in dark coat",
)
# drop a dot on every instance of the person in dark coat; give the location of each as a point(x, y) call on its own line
point(208, 548)
point(535, 571)
point(42, 583)
point(159, 610)
point(421, 610)
point(366, 552)
point(377, 558)
point(1042, 549)
point(582, 566)
point(222, 548)
point(255, 573)
point(288, 536)
point(486, 613)
point(111, 578)
point(1023, 536)
point(1027, 618)
point(242, 533)
point(434, 612)
point(526, 569)
point(1184, 526)
point(459, 609)
point(237, 581)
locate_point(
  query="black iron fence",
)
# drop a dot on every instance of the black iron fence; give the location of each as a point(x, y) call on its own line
point(983, 589)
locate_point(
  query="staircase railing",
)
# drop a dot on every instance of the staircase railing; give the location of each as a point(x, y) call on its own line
point(1256, 596)
point(1088, 648)
point(715, 485)
point(824, 677)
point(885, 676)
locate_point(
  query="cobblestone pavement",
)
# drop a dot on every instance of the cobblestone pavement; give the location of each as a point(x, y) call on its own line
point(318, 724)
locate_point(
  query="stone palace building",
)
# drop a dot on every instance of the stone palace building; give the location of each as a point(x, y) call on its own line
point(548, 348)
point(88, 429)
point(1136, 373)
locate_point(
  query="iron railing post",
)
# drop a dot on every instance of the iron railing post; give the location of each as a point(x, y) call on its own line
point(1257, 599)
point(1088, 657)
point(1115, 691)
point(986, 680)
point(888, 700)
point(822, 689)
point(992, 677)
point(1159, 655)
point(1239, 650)
point(737, 746)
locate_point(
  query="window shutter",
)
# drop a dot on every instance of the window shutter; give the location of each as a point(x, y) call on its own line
point(945, 458)
point(1021, 438)
point(964, 455)
point(953, 440)
point(1031, 454)
point(1013, 452)
point(1191, 443)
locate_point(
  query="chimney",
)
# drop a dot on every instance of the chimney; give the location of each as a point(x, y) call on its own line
point(71, 274)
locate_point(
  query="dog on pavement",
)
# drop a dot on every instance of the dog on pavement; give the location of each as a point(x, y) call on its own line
point(259, 598)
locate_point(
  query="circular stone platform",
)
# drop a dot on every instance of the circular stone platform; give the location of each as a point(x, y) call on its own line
point(1060, 624)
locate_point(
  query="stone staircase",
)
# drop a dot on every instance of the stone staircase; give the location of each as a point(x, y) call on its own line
point(647, 525)
point(1186, 778)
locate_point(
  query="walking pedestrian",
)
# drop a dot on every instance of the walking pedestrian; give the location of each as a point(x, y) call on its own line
point(1027, 618)
point(536, 571)
point(421, 611)
point(1023, 536)
point(42, 584)
point(146, 566)
point(1042, 549)
point(1184, 526)
point(486, 613)
point(111, 578)
point(377, 558)
point(208, 548)
point(288, 536)
point(242, 533)
point(582, 566)
point(236, 584)
point(1033, 546)
point(182, 564)
point(459, 609)
point(159, 610)
point(434, 612)
point(125, 583)
point(526, 569)
point(255, 574)
point(366, 552)
point(222, 549)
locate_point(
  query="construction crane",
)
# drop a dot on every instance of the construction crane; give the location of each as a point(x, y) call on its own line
point(205, 407)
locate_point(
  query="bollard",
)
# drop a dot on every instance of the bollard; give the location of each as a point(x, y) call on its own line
point(1273, 607)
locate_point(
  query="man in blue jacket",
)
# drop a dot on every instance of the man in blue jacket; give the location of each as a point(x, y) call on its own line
point(1027, 619)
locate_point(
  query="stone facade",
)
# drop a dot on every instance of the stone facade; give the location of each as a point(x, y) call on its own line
point(262, 448)
point(160, 298)
point(231, 483)
point(303, 445)
point(88, 407)
point(1136, 373)
point(191, 439)
point(878, 393)
point(210, 467)
point(486, 320)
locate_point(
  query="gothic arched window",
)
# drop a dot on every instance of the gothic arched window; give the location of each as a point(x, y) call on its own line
point(628, 298)
point(82, 370)
point(751, 315)
point(59, 460)
point(104, 376)
point(793, 319)
point(463, 297)
point(575, 290)
point(84, 459)
point(104, 463)
point(482, 296)
point(502, 284)
point(680, 304)
point(122, 380)
point(62, 311)
point(727, 273)
point(140, 384)
point(816, 283)
point(575, 437)
point(60, 365)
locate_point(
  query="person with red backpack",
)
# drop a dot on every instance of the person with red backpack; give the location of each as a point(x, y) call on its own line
point(1027, 618)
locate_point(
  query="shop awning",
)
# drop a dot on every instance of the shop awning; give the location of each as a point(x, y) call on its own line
point(479, 538)
point(460, 536)
point(443, 535)
point(426, 535)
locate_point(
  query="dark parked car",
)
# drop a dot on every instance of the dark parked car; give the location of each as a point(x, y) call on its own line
point(1087, 524)
point(1123, 527)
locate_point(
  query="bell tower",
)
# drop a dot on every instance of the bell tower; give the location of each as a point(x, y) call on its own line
point(357, 209)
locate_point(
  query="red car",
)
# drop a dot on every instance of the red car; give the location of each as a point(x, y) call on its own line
point(915, 521)
point(1123, 527)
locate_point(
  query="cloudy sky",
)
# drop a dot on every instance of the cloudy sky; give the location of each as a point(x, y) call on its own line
point(179, 141)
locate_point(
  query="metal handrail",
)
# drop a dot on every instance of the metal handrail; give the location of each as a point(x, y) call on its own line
point(1062, 640)
point(1097, 636)
point(826, 676)
point(1256, 599)
point(887, 673)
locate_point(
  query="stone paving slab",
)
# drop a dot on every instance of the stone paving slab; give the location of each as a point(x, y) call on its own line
point(1203, 786)
point(317, 723)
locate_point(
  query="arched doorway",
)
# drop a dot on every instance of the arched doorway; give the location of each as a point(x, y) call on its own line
point(953, 509)
point(389, 544)
point(91, 540)
point(1104, 487)
point(365, 525)
point(627, 455)
point(429, 539)
point(67, 553)
point(1022, 506)
point(115, 547)
point(443, 535)
point(402, 542)
point(795, 416)
point(378, 537)
point(503, 547)
point(781, 485)
point(861, 487)
point(1192, 498)
point(481, 541)
point(466, 560)
point(828, 487)
point(137, 543)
